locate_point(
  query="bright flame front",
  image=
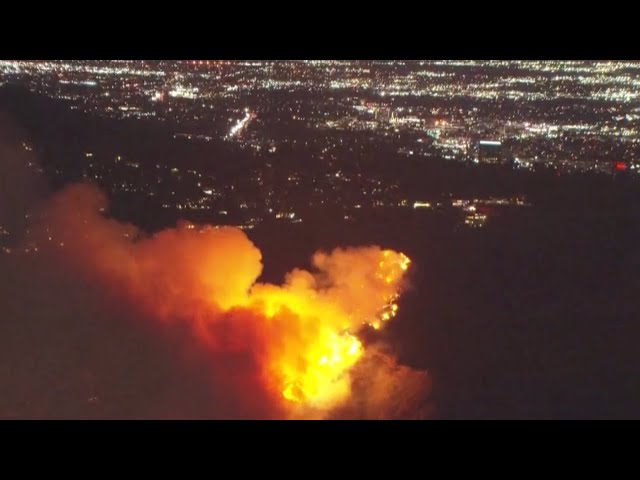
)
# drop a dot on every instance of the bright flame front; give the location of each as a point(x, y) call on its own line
point(322, 314)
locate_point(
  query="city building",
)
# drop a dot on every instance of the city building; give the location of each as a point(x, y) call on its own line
point(490, 151)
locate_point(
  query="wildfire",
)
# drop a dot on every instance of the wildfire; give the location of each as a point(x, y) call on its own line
point(330, 312)
point(301, 336)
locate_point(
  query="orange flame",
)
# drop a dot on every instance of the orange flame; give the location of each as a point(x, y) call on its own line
point(302, 334)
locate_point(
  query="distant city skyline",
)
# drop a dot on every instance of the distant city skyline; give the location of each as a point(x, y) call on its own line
point(576, 116)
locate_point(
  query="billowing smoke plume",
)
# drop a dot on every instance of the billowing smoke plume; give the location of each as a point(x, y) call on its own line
point(98, 315)
point(295, 346)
